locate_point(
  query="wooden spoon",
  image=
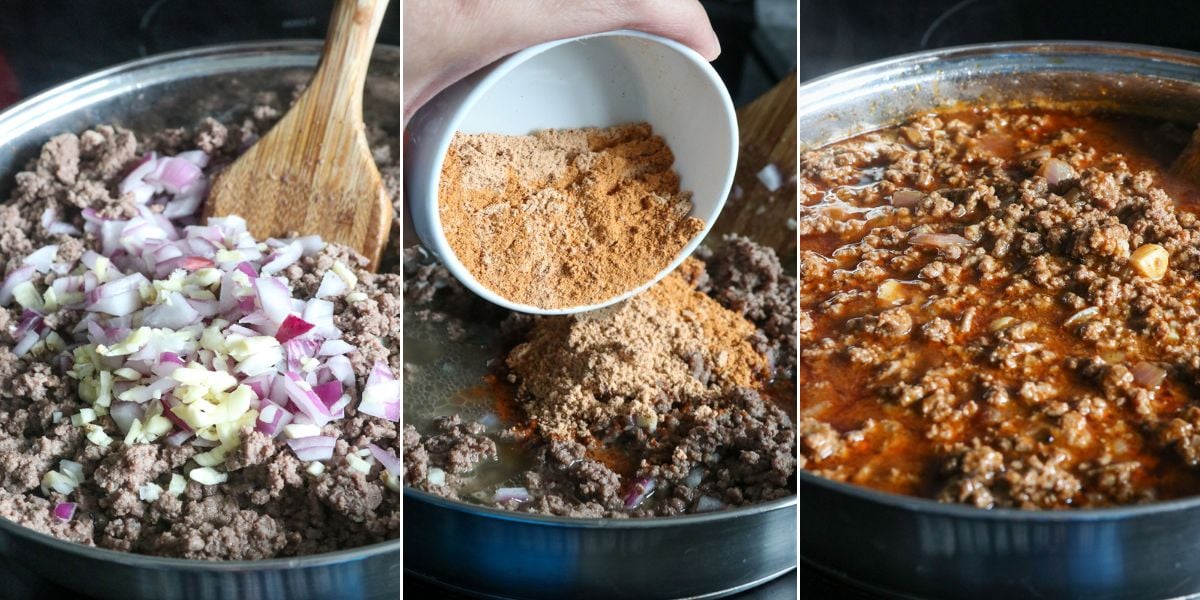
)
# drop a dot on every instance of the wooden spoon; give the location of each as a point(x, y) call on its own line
point(313, 173)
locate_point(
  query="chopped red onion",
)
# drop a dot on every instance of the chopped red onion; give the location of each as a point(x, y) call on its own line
point(174, 312)
point(338, 409)
point(299, 392)
point(298, 351)
point(17, 277)
point(31, 320)
point(246, 268)
point(61, 228)
point(381, 395)
point(312, 244)
point(272, 419)
point(511, 494)
point(1148, 375)
point(118, 298)
point(708, 504)
point(125, 413)
point(335, 348)
point(385, 458)
point(906, 198)
point(1056, 171)
point(283, 258)
point(770, 177)
point(174, 174)
point(642, 488)
point(274, 298)
point(169, 401)
point(64, 511)
point(179, 437)
point(292, 327)
point(48, 216)
point(260, 384)
point(331, 285)
point(192, 263)
point(42, 258)
point(329, 392)
point(196, 157)
point(26, 344)
point(320, 314)
point(939, 240)
point(315, 447)
point(341, 368)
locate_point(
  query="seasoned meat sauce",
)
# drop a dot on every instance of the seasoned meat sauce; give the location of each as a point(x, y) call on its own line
point(982, 316)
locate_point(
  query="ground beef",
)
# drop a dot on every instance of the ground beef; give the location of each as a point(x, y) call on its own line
point(454, 449)
point(975, 323)
point(706, 451)
point(270, 506)
point(748, 279)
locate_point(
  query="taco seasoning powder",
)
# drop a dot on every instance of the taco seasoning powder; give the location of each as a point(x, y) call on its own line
point(565, 217)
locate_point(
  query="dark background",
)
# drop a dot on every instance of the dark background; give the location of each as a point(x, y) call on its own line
point(835, 34)
point(46, 42)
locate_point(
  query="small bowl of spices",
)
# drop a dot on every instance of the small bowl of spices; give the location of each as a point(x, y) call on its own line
point(574, 174)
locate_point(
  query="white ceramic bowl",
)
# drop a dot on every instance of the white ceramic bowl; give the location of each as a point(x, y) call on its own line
point(591, 81)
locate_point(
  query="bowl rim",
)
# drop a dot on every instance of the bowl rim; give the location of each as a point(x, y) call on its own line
point(500, 69)
point(820, 88)
point(264, 47)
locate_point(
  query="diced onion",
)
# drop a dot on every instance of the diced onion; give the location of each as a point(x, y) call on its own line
point(316, 447)
point(505, 495)
point(906, 198)
point(641, 489)
point(385, 458)
point(1148, 375)
point(771, 177)
point(381, 395)
point(64, 511)
point(939, 240)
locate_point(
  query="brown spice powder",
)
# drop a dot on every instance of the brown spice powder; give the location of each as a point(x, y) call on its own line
point(566, 217)
point(624, 359)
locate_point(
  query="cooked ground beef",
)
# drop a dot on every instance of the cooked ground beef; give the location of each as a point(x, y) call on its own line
point(705, 452)
point(979, 320)
point(270, 506)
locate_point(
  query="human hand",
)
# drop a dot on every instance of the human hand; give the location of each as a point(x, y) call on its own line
point(446, 40)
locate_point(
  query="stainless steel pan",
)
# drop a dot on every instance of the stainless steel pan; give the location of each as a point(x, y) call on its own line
point(178, 89)
point(916, 547)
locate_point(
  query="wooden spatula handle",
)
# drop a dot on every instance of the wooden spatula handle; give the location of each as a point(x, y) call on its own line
point(342, 72)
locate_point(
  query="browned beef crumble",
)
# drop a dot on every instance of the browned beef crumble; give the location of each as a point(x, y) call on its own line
point(269, 507)
point(974, 324)
point(707, 453)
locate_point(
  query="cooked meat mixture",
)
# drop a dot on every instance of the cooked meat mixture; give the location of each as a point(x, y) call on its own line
point(135, 496)
point(602, 434)
point(1000, 308)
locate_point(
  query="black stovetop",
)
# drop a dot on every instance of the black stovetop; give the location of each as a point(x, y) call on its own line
point(840, 33)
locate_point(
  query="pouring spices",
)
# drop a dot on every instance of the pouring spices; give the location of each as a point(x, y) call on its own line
point(564, 218)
